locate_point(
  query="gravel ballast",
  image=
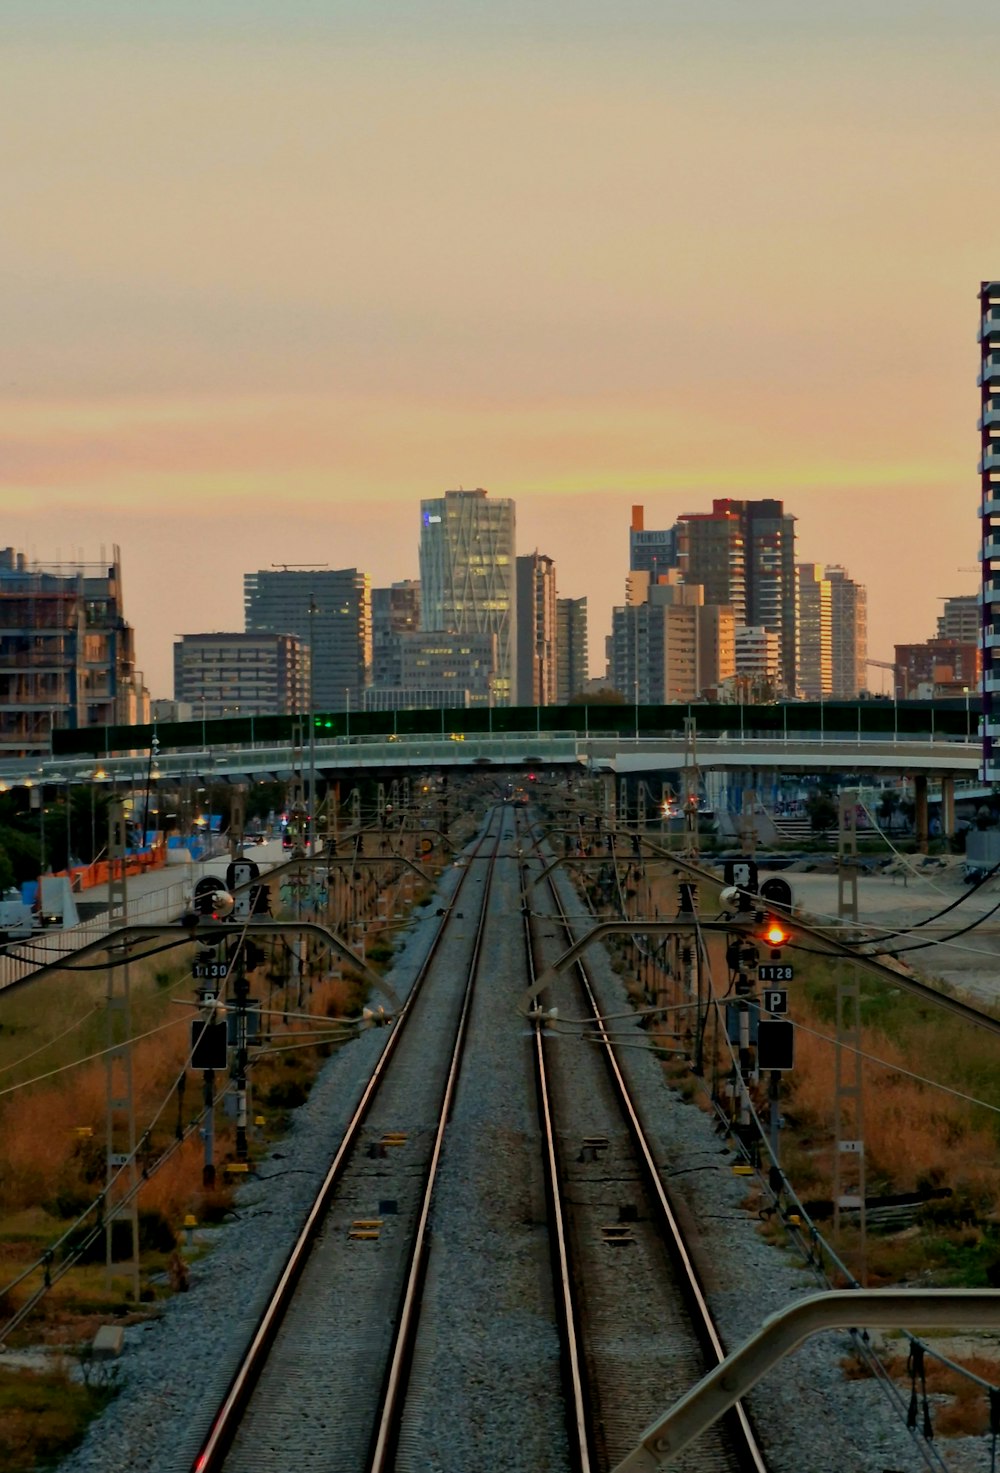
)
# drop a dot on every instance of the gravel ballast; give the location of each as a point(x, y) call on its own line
point(175, 1367)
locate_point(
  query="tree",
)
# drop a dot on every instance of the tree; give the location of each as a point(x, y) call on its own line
point(606, 696)
point(822, 811)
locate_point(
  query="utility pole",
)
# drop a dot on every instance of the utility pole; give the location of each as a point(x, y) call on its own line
point(690, 787)
point(848, 1100)
point(120, 1163)
point(241, 992)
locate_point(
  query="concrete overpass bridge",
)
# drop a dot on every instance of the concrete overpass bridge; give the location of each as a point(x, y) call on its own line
point(620, 753)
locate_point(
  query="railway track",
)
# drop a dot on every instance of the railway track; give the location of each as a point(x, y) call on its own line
point(418, 1324)
point(309, 1391)
point(636, 1326)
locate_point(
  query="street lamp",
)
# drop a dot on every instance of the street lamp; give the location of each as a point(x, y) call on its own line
point(98, 775)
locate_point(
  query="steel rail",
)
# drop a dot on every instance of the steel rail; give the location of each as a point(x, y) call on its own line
point(748, 1450)
point(580, 1429)
point(213, 1449)
point(393, 1396)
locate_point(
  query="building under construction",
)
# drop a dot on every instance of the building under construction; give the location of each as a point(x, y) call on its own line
point(67, 655)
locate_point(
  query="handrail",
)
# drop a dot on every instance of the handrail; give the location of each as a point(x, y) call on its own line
point(780, 1333)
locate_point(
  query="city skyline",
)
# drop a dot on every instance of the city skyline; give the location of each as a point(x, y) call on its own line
point(490, 246)
point(600, 615)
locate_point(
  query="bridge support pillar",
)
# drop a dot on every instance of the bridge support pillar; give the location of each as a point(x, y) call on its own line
point(920, 812)
point(948, 807)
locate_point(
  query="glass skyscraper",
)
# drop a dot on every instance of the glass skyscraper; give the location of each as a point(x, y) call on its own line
point(467, 575)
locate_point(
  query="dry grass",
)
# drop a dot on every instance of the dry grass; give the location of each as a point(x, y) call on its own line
point(959, 1407)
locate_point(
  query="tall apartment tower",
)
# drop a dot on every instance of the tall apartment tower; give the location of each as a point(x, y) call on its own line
point(337, 632)
point(711, 550)
point(815, 598)
point(848, 635)
point(537, 674)
point(989, 511)
point(67, 654)
point(769, 548)
point(572, 655)
point(467, 574)
point(650, 552)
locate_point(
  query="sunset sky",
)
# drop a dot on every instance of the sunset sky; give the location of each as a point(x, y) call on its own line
point(275, 269)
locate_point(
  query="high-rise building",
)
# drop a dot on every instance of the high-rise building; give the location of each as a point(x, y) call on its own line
point(337, 631)
point(395, 610)
point(769, 546)
point(671, 676)
point(537, 681)
point(650, 552)
point(437, 669)
point(67, 655)
point(467, 574)
point(960, 619)
point(989, 513)
point(241, 674)
point(848, 634)
point(758, 661)
point(654, 652)
point(572, 656)
point(711, 550)
point(815, 601)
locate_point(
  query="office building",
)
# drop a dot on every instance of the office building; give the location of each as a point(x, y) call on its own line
point(652, 552)
point(467, 574)
point(67, 654)
point(537, 674)
point(572, 655)
point(395, 610)
point(220, 675)
point(848, 635)
point(815, 605)
point(337, 631)
point(456, 669)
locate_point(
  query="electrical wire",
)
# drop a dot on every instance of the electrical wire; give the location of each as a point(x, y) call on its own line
point(900, 1069)
point(6, 1068)
point(89, 1058)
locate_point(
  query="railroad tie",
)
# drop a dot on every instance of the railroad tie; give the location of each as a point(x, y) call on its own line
point(617, 1235)
point(365, 1229)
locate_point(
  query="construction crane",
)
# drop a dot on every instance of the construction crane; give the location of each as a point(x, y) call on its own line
point(286, 566)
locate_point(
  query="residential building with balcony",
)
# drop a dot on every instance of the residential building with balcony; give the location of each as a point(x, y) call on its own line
point(989, 513)
point(67, 653)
